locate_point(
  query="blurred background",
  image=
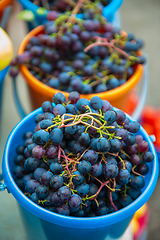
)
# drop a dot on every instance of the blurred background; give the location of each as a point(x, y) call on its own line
point(139, 17)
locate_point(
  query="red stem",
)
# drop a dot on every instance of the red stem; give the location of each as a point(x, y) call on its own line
point(61, 150)
point(104, 42)
point(111, 200)
point(102, 185)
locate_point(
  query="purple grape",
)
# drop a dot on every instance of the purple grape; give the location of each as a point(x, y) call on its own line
point(31, 186)
point(74, 202)
point(45, 178)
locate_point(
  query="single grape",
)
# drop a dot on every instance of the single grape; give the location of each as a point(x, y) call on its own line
point(59, 109)
point(82, 189)
point(42, 192)
point(137, 182)
point(31, 163)
point(59, 98)
point(125, 200)
point(40, 137)
point(78, 178)
point(45, 178)
point(110, 170)
point(96, 170)
point(56, 168)
point(96, 103)
point(90, 156)
point(56, 135)
point(110, 116)
point(64, 193)
point(123, 177)
point(103, 145)
point(38, 152)
point(63, 209)
point(56, 182)
point(31, 186)
point(74, 202)
point(84, 167)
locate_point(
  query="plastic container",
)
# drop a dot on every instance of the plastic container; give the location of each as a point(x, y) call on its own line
point(3, 5)
point(108, 11)
point(2, 76)
point(140, 223)
point(40, 222)
point(40, 92)
point(150, 121)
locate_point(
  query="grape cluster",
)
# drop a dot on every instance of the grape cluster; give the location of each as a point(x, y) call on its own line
point(87, 56)
point(83, 159)
point(65, 5)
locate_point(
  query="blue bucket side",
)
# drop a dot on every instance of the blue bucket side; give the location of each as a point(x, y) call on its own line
point(108, 11)
point(28, 5)
point(102, 224)
point(2, 77)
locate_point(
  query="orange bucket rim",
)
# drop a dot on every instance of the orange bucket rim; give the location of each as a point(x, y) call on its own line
point(4, 3)
point(43, 88)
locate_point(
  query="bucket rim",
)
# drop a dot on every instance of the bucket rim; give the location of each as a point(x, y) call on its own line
point(76, 222)
point(3, 73)
point(4, 3)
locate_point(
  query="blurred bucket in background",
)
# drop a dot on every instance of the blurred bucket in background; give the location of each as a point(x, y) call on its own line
point(150, 120)
point(118, 97)
point(3, 5)
point(6, 54)
point(2, 77)
point(140, 223)
point(108, 11)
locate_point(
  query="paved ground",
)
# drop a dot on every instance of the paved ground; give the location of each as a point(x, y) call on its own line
point(143, 19)
point(138, 16)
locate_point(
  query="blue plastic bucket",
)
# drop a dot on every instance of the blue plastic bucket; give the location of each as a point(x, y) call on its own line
point(43, 224)
point(2, 76)
point(108, 11)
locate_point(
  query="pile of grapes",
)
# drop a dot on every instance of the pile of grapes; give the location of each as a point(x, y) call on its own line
point(83, 159)
point(88, 56)
point(65, 5)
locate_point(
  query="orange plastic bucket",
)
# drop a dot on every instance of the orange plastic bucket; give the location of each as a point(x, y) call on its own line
point(40, 92)
point(4, 4)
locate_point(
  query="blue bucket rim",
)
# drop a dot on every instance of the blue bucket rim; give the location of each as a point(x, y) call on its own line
point(77, 222)
point(111, 8)
point(3, 73)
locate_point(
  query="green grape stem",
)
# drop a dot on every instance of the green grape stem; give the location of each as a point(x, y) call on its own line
point(136, 173)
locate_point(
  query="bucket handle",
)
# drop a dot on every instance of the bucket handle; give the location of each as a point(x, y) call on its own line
point(135, 115)
point(3, 186)
point(18, 104)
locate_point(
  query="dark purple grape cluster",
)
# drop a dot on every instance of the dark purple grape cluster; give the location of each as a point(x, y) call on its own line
point(88, 56)
point(84, 158)
point(65, 5)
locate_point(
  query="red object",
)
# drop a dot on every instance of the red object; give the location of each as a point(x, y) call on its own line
point(140, 221)
point(150, 122)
